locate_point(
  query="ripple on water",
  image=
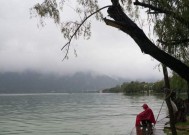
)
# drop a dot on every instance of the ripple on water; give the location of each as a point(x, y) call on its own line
point(71, 114)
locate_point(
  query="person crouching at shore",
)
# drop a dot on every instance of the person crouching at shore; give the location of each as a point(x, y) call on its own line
point(145, 120)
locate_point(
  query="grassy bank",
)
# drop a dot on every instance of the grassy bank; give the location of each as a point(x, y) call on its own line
point(182, 128)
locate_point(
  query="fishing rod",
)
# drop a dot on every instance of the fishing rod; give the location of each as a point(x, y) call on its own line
point(163, 103)
point(159, 112)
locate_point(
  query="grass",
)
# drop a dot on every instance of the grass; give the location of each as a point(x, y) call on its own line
point(168, 132)
point(182, 128)
point(183, 123)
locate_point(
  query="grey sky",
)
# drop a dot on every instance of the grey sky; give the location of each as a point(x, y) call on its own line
point(24, 46)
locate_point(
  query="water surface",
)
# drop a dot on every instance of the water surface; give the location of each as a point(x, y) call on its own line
point(72, 114)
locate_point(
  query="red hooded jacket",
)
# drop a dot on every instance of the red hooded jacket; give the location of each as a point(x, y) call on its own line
point(147, 114)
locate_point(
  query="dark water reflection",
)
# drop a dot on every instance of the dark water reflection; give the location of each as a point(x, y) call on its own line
point(73, 114)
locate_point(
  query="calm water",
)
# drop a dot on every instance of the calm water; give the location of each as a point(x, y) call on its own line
point(72, 114)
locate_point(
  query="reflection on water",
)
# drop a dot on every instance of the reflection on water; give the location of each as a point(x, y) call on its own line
point(72, 114)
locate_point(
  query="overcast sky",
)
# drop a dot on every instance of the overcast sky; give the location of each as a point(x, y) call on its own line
point(25, 46)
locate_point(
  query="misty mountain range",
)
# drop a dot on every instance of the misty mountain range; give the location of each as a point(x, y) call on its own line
point(32, 82)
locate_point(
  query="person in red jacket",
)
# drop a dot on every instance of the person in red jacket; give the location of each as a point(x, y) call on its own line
point(144, 121)
point(146, 115)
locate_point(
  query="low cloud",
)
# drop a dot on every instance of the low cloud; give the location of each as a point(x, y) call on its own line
point(24, 46)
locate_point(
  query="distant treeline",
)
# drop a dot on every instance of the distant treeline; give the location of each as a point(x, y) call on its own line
point(177, 84)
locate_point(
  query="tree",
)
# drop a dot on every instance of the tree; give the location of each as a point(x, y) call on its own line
point(172, 29)
point(177, 83)
point(121, 21)
point(74, 29)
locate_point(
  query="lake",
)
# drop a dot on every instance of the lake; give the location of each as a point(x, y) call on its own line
point(73, 114)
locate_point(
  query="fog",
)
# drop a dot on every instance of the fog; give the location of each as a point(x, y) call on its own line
point(26, 45)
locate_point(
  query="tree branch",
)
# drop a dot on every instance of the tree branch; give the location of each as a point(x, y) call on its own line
point(158, 10)
point(115, 24)
point(165, 11)
point(71, 37)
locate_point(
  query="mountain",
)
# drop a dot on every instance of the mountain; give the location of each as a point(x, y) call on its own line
point(33, 82)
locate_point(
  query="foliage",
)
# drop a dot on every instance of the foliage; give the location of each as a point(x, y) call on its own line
point(172, 32)
point(177, 84)
point(47, 9)
point(134, 87)
point(116, 89)
point(69, 28)
point(158, 86)
point(171, 25)
point(131, 87)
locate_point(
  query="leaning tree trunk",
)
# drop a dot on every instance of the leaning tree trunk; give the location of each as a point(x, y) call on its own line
point(168, 102)
point(124, 23)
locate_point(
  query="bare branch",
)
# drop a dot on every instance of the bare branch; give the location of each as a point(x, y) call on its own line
point(71, 37)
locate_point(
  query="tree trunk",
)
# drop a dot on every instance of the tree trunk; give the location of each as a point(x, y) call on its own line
point(168, 102)
point(172, 120)
point(124, 23)
point(188, 90)
point(166, 77)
